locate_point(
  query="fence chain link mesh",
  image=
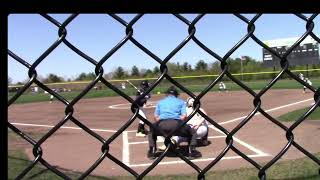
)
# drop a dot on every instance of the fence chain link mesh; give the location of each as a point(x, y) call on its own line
point(99, 71)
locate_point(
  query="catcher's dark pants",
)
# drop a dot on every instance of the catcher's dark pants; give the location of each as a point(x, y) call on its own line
point(169, 125)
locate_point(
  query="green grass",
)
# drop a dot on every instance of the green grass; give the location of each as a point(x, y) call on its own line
point(256, 85)
point(299, 169)
point(36, 135)
point(17, 162)
point(294, 115)
point(28, 98)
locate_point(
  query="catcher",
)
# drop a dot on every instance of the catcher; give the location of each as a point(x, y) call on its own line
point(198, 123)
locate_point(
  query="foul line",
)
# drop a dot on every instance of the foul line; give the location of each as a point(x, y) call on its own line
point(62, 127)
point(125, 149)
point(259, 152)
point(269, 110)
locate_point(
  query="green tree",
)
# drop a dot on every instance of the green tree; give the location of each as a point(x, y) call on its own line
point(135, 71)
point(119, 73)
point(81, 77)
point(234, 65)
point(173, 69)
point(84, 76)
point(148, 73)
point(52, 78)
point(201, 66)
point(215, 67)
point(91, 76)
point(178, 66)
point(156, 70)
point(186, 66)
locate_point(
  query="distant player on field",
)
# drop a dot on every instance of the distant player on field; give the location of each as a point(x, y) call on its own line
point(51, 98)
point(301, 76)
point(307, 81)
point(222, 87)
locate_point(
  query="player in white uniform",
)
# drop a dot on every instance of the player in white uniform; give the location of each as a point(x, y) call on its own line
point(198, 123)
point(222, 86)
point(123, 85)
point(307, 81)
point(51, 98)
point(301, 76)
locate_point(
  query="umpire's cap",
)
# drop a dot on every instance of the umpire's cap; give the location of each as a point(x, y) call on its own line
point(172, 90)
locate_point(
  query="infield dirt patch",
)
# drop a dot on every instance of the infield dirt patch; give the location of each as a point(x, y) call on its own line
point(74, 149)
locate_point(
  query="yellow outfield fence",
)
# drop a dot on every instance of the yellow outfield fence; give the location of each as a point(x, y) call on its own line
point(175, 77)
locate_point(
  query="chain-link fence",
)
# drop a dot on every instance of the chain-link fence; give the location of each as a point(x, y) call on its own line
point(99, 71)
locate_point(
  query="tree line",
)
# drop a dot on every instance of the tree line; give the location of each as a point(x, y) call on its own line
point(178, 69)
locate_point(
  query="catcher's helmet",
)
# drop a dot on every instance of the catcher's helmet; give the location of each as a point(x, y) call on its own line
point(144, 84)
point(190, 102)
point(172, 90)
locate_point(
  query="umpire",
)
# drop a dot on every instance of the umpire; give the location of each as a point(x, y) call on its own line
point(170, 112)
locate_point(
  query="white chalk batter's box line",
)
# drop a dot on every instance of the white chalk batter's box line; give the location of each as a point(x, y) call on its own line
point(126, 151)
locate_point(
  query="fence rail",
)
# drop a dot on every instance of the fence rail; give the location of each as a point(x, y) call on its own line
point(174, 77)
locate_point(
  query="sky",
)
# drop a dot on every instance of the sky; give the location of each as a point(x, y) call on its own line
point(29, 35)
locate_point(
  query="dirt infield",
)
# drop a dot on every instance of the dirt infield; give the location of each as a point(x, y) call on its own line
point(72, 148)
